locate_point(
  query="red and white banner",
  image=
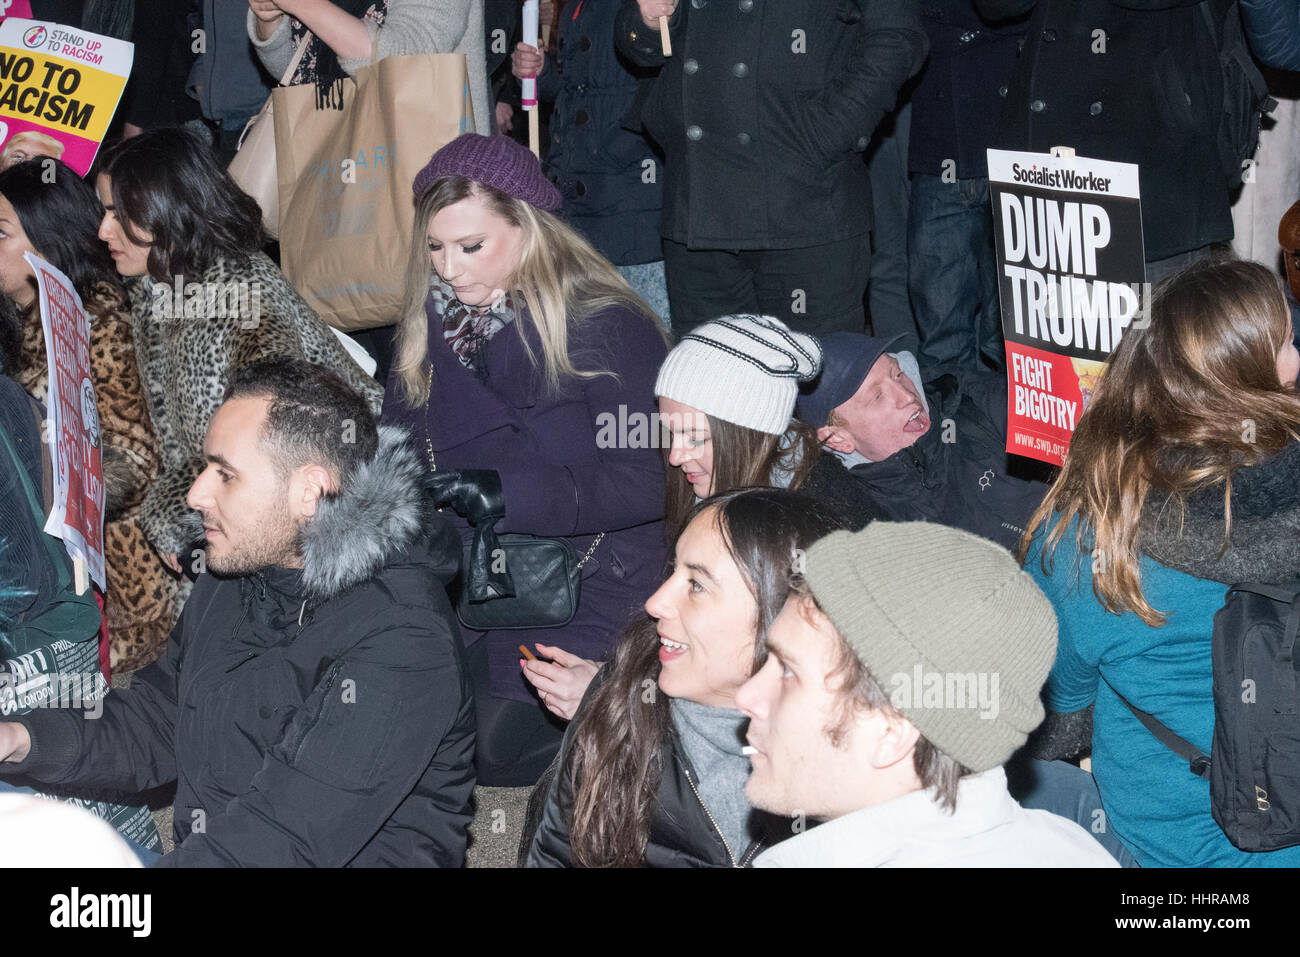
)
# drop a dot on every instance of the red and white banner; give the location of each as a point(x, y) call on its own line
point(72, 421)
point(1071, 280)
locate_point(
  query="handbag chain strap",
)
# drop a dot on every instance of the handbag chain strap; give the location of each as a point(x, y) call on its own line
point(433, 467)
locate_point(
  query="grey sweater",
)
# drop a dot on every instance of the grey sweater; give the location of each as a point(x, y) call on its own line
point(410, 27)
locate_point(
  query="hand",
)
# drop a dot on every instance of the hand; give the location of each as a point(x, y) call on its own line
point(268, 11)
point(268, 14)
point(505, 118)
point(526, 61)
point(473, 493)
point(652, 10)
point(560, 682)
point(172, 560)
point(15, 742)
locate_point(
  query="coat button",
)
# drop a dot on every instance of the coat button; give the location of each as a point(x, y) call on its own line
point(555, 137)
point(1049, 36)
point(740, 69)
point(584, 44)
point(746, 5)
point(862, 142)
point(691, 67)
point(1002, 91)
point(1095, 108)
point(580, 188)
point(693, 132)
point(581, 117)
point(1038, 106)
point(743, 139)
point(264, 712)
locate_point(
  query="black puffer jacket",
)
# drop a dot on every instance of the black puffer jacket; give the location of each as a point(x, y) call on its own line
point(309, 717)
point(682, 834)
point(956, 474)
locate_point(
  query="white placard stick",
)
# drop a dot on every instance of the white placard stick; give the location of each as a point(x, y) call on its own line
point(528, 85)
point(664, 38)
point(80, 575)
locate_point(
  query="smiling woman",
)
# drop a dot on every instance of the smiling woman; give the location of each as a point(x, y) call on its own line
point(652, 771)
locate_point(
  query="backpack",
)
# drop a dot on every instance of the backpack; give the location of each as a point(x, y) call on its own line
point(1254, 767)
point(1245, 94)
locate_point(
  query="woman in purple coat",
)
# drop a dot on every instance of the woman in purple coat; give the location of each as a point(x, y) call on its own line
point(524, 366)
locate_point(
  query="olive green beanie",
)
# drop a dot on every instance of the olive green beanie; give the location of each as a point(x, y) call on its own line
point(951, 628)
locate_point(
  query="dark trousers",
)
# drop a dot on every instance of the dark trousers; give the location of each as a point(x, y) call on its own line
point(516, 740)
point(953, 273)
point(818, 289)
point(888, 299)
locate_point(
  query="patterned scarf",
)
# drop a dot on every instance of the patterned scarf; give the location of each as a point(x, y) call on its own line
point(320, 65)
point(468, 329)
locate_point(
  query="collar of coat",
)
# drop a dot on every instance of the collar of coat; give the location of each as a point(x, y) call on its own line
point(1264, 544)
point(382, 512)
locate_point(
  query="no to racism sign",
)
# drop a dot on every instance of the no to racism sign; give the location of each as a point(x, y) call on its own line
point(72, 421)
point(59, 88)
point(1071, 272)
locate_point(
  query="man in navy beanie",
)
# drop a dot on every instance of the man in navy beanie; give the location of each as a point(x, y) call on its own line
point(929, 447)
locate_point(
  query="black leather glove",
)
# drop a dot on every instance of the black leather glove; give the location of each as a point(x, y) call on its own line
point(476, 494)
point(473, 493)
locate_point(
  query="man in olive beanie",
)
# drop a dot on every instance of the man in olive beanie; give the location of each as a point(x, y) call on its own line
point(901, 674)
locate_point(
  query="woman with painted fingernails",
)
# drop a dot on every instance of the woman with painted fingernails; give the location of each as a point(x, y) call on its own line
point(652, 771)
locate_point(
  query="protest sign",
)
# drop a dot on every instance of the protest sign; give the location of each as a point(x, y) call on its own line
point(1071, 271)
point(59, 88)
point(15, 8)
point(72, 421)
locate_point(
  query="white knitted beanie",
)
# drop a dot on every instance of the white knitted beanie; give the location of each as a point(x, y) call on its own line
point(743, 369)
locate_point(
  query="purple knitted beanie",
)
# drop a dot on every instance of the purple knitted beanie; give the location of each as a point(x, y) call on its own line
point(495, 161)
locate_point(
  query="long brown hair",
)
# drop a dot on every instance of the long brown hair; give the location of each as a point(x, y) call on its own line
point(1181, 405)
point(741, 457)
point(561, 281)
point(615, 759)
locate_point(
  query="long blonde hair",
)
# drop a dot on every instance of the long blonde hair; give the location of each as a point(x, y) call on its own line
point(1182, 405)
point(561, 281)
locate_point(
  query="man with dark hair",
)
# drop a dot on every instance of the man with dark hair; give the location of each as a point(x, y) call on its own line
point(311, 704)
point(901, 675)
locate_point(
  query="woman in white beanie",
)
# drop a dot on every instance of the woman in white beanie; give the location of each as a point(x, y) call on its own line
point(726, 401)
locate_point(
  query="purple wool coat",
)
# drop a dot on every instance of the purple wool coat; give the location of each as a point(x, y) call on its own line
point(556, 480)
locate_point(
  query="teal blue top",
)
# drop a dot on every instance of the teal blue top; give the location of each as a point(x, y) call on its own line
point(1156, 806)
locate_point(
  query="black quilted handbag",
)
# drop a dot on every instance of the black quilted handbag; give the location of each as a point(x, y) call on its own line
point(547, 578)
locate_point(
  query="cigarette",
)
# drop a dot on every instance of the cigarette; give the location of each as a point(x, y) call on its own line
point(528, 654)
point(748, 750)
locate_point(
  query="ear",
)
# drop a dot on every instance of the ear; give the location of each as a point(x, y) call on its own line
point(316, 483)
point(836, 438)
point(896, 740)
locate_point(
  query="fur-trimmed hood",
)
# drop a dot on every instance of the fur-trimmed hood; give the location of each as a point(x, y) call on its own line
point(382, 512)
point(1265, 541)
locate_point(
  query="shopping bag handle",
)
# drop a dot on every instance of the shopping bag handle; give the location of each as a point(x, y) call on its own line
point(296, 59)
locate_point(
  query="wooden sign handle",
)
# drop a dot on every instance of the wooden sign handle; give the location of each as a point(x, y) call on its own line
point(534, 133)
point(664, 38)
